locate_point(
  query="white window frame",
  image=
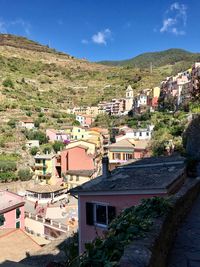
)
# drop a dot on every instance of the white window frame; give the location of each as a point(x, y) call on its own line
point(95, 219)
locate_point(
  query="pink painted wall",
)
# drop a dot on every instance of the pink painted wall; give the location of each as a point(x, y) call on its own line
point(53, 136)
point(88, 232)
point(76, 158)
point(88, 120)
point(10, 218)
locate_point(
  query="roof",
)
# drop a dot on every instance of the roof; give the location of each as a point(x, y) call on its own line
point(130, 143)
point(122, 143)
point(14, 244)
point(44, 156)
point(129, 88)
point(9, 201)
point(85, 173)
point(146, 175)
point(46, 188)
point(27, 121)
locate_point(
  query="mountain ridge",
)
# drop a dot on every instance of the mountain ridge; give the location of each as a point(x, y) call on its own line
point(157, 58)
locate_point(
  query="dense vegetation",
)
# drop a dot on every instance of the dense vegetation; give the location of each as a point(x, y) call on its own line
point(158, 59)
point(131, 224)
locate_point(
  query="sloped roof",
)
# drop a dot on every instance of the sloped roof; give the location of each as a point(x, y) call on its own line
point(46, 188)
point(122, 143)
point(150, 174)
point(14, 244)
point(85, 173)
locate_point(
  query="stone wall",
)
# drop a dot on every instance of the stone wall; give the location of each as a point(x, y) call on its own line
point(191, 141)
point(18, 186)
point(152, 251)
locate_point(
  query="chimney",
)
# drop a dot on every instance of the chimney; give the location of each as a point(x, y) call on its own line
point(105, 167)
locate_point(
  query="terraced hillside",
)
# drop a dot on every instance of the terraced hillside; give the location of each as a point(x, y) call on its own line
point(43, 77)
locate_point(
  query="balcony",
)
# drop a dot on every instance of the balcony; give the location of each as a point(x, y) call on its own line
point(39, 166)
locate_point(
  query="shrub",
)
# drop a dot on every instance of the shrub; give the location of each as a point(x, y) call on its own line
point(25, 174)
point(12, 123)
point(8, 83)
point(34, 150)
point(58, 146)
point(7, 176)
point(7, 166)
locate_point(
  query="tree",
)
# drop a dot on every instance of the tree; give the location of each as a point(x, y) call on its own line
point(58, 146)
point(24, 174)
point(76, 123)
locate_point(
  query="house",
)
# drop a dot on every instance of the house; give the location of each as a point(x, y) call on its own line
point(106, 196)
point(85, 120)
point(125, 150)
point(45, 193)
point(16, 244)
point(74, 158)
point(137, 134)
point(44, 166)
point(32, 143)
point(11, 210)
point(26, 123)
point(57, 135)
point(78, 177)
point(77, 132)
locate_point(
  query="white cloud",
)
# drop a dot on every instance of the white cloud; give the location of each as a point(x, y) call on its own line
point(175, 19)
point(7, 26)
point(167, 23)
point(102, 37)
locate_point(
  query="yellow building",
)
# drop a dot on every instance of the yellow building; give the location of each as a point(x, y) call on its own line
point(44, 166)
point(156, 91)
point(77, 132)
point(78, 177)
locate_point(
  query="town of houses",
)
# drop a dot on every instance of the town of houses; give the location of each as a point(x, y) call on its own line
point(48, 208)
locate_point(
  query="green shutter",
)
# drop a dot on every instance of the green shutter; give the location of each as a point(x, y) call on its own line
point(89, 213)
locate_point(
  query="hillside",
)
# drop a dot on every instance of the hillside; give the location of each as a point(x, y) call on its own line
point(44, 77)
point(158, 59)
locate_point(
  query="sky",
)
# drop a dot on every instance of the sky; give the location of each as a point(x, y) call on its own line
point(104, 29)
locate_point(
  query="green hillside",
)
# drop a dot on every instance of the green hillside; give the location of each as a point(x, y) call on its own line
point(158, 59)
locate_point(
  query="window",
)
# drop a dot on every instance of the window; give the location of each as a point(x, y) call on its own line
point(77, 178)
point(2, 219)
point(71, 178)
point(17, 224)
point(37, 161)
point(99, 214)
point(140, 133)
point(147, 133)
point(82, 136)
point(117, 156)
point(18, 213)
point(79, 130)
point(75, 137)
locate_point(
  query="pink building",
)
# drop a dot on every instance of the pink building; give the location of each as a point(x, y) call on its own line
point(57, 135)
point(85, 120)
point(106, 196)
point(74, 158)
point(11, 210)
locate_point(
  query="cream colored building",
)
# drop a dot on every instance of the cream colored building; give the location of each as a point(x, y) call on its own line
point(129, 98)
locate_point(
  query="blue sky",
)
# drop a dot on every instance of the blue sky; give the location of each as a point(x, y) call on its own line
point(104, 29)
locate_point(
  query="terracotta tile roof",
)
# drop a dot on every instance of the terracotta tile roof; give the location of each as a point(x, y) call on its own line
point(46, 188)
point(14, 243)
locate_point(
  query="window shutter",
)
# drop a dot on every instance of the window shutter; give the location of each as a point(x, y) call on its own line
point(89, 214)
point(111, 213)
